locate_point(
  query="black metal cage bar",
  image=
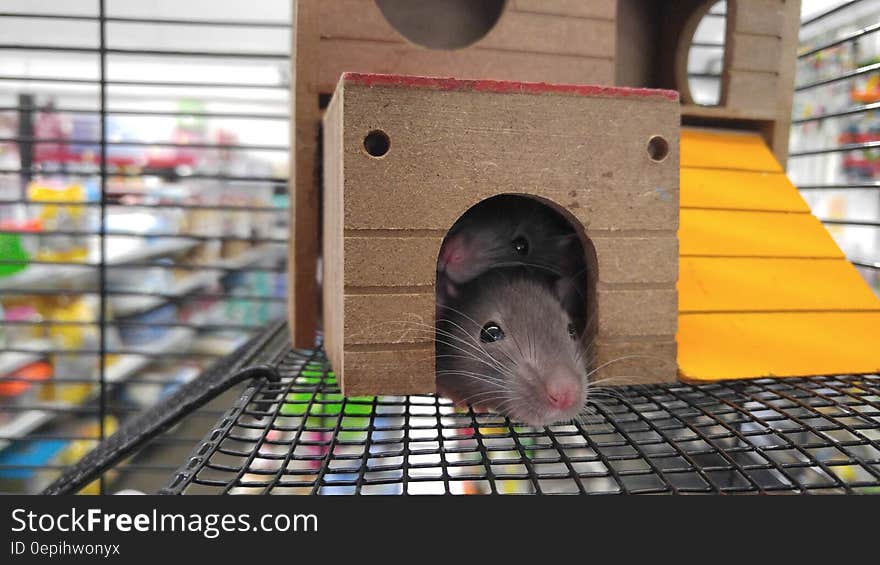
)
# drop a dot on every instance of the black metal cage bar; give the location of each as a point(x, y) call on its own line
point(94, 337)
point(834, 145)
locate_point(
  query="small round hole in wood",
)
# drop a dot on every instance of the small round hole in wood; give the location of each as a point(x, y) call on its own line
point(658, 148)
point(377, 143)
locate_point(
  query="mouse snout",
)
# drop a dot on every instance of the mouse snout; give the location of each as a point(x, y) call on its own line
point(563, 390)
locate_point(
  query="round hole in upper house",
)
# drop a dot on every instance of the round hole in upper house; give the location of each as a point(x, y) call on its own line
point(705, 56)
point(442, 24)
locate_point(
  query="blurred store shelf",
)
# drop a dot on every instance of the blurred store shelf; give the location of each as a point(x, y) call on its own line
point(176, 340)
point(51, 276)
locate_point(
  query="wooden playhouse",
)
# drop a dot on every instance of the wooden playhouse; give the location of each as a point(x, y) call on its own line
point(745, 234)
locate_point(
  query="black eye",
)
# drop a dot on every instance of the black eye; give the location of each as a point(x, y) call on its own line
point(521, 246)
point(491, 332)
point(572, 331)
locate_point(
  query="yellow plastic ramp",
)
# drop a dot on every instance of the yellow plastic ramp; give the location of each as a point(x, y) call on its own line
point(763, 289)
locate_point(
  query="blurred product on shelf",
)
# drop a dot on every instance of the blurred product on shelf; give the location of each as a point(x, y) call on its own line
point(27, 466)
point(23, 322)
point(31, 465)
point(9, 158)
point(836, 125)
point(158, 383)
point(56, 216)
point(14, 252)
point(191, 200)
point(147, 327)
point(23, 387)
point(49, 125)
point(74, 332)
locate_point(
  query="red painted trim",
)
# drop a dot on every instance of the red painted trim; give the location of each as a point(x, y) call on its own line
point(503, 86)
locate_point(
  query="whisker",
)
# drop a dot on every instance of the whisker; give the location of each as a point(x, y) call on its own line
point(634, 356)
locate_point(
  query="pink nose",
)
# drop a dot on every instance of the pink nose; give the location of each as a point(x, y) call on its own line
point(562, 393)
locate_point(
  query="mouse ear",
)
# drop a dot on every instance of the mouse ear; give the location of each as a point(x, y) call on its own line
point(567, 252)
point(570, 296)
point(567, 243)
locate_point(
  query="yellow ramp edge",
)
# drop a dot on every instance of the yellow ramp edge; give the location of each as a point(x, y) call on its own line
point(736, 284)
point(733, 233)
point(739, 151)
point(763, 288)
point(738, 190)
point(735, 346)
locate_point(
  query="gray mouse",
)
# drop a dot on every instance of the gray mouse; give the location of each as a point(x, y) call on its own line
point(507, 231)
point(514, 231)
point(507, 344)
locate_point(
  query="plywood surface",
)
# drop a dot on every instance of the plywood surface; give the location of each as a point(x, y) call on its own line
point(565, 41)
point(453, 143)
point(602, 9)
point(332, 242)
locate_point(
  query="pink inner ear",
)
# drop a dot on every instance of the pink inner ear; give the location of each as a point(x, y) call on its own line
point(453, 252)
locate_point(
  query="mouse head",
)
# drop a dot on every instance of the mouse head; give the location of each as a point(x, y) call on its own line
point(507, 231)
point(509, 345)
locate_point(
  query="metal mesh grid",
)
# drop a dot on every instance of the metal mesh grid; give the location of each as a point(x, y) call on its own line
point(300, 436)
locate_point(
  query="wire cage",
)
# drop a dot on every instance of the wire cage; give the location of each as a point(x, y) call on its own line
point(294, 433)
point(299, 435)
point(833, 148)
point(143, 156)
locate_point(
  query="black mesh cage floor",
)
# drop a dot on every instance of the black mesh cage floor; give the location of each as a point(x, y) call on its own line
point(301, 436)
